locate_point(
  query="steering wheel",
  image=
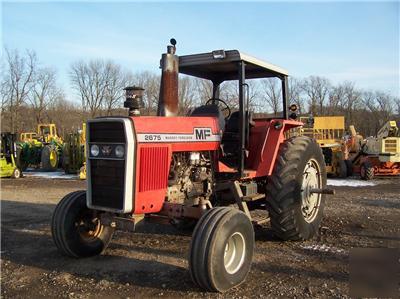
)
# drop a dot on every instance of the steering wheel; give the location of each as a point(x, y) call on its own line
point(225, 109)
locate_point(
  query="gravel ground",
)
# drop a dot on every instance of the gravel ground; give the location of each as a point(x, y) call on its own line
point(152, 262)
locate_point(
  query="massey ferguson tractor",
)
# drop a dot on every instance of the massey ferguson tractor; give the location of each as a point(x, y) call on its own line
point(214, 167)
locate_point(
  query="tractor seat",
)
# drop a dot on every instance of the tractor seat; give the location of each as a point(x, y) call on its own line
point(230, 138)
point(232, 125)
point(210, 110)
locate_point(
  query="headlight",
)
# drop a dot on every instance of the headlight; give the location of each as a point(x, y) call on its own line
point(94, 150)
point(119, 151)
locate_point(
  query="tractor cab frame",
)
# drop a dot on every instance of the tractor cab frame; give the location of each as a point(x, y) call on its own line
point(219, 66)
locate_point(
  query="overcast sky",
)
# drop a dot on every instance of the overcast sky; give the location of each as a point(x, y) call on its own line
point(341, 41)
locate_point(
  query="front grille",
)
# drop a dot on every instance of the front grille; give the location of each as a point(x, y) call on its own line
point(107, 183)
point(107, 176)
point(107, 132)
point(153, 168)
point(390, 146)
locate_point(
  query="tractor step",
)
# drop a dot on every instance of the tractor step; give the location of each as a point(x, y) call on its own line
point(253, 197)
point(259, 220)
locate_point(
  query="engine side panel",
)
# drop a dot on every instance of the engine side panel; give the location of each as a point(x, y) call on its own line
point(157, 139)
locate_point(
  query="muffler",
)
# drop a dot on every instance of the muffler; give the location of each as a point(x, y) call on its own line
point(168, 100)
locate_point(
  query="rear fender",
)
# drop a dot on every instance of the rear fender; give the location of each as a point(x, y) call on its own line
point(275, 136)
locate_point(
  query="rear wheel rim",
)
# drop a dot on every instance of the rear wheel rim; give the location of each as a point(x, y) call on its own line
point(235, 251)
point(53, 158)
point(312, 179)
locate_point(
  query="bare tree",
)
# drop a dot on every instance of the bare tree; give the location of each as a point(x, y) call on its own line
point(204, 89)
point(118, 79)
point(317, 90)
point(229, 92)
point(272, 94)
point(17, 83)
point(295, 94)
point(151, 83)
point(5, 87)
point(351, 99)
point(396, 101)
point(188, 97)
point(44, 91)
point(336, 98)
point(65, 114)
point(92, 81)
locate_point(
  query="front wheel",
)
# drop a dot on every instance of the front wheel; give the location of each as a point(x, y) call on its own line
point(77, 230)
point(367, 171)
point(221, 249)
point(295, 210)
point(16, 173)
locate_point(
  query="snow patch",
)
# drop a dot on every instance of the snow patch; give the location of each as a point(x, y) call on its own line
point(51, 175)
point(324, 248)
point(350, 183)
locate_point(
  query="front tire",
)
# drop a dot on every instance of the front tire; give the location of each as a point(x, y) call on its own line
point(367, 171)
point(221, 249)
point(77, 230)
point(16, 173)
point(295, 212)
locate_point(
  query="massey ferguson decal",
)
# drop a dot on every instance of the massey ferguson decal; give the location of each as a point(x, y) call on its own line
point(198, 135)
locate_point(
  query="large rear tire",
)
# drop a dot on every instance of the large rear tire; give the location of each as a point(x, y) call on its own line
point(349, 167)
point(221, 249)
point(21, 163)
point(77, 230)
point(49, 158)
point(295, 212)
point(341, 169)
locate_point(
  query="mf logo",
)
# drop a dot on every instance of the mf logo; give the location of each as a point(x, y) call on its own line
point(202, 134)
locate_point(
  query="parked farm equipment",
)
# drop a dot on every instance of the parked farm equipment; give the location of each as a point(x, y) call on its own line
point(193, 168)
point(74, 153)
point(328, 131)
point(42, 149)
point(8, 158)
point(377, 156)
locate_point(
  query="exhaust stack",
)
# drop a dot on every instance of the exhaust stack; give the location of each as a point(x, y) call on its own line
point(168, 100)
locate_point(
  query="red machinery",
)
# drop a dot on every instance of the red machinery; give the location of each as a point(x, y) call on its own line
point(184, 169)
point(375, 156)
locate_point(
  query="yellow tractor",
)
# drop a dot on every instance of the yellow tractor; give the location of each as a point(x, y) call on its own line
point(329, 132)
point(41, 149)
point(28, 136)
point(8, 156)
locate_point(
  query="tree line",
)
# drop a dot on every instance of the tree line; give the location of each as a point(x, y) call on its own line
point(31, 94)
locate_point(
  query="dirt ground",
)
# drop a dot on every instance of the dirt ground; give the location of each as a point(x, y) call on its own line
point(152, 262)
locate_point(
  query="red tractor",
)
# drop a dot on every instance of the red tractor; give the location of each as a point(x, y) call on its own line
point(197, 168)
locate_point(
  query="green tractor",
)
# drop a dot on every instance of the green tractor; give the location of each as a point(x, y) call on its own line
point(74, 156)
point(42, 149)
point(8, 157)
